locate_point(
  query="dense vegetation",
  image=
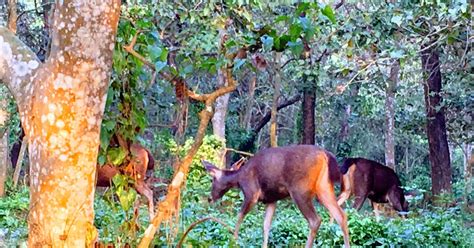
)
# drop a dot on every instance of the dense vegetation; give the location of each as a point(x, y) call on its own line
point(339, 57)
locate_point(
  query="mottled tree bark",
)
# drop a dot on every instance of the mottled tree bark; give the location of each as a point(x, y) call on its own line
point(309, 104)
point(435, 122)
point(61, 104)
point(390, 115)
point(276, 96)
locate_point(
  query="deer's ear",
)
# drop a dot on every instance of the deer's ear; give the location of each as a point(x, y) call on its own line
point(213, 171)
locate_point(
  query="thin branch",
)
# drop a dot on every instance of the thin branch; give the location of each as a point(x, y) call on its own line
point(240, 152)
point(338, 5)
point(286, 63)
point(194, 224)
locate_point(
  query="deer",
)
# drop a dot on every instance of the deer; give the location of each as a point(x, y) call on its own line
point(141, 160)
point(365, 178)
point(301, 172)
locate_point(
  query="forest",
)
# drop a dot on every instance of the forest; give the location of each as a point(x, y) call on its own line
point(236, 123)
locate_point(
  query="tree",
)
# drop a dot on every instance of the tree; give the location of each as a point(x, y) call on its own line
point(435, 121)
point(61, 104)
point(390, 115)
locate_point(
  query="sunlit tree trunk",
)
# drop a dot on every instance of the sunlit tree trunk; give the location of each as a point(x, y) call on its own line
point(390, 115)
point(435, 122)
point(61, 105)
point(276, 96)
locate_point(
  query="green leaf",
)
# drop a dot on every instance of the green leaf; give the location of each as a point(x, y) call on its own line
point(267, 42)
point(109, 125)
point(104, 139)
point(295, 31)
point(155, 52)
point(397, 54)
point(188, 69)
point(296, 47)
point(102, 159)
point(329, 13)
point(116, 155)
point(159, 65)
point(282, 18)
point(397, 19)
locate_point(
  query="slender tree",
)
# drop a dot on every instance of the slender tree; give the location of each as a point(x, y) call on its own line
point(390, 115)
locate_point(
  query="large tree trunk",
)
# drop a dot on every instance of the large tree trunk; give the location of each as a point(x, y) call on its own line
point(435, 122)
point(61, 105)
point(309, 104)
point(390, 115)
point(276, 96)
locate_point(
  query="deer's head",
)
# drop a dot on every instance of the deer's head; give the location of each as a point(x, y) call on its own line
point(221, 183)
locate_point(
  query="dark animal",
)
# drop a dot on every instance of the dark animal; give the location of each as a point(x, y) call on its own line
point(365, 178)
point(299, 171)
point(141, 161)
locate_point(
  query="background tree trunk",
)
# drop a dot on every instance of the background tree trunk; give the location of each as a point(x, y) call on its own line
point(249, 103)
point(3, 162)
point(468, 162)
point(390, 115)
point(276, 96)
point(222, 102)
point(309, 104)
point(12, 15)
point(218, 120)
point(61, 104)
point(435, 122)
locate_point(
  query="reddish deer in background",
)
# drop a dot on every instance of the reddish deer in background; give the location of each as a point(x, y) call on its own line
point(299, 171)
point(365, 178)
point(140, 161)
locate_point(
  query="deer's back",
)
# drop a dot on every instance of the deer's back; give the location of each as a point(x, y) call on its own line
point(281, 170)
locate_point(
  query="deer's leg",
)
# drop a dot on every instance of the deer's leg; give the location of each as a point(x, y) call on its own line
point(248, 204)
point(346, 187)
point(327, 198)
point(305, 205)
point(269, 211)
point(359, 201)
point(144, 190)
point(375, 206)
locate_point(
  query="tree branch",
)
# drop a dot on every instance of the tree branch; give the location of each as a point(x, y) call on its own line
point(18, 65)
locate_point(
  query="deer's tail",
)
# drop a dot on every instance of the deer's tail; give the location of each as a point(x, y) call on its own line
point(333, 167)
point(346, 164)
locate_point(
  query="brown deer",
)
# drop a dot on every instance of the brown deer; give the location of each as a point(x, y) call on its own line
point(365, 178)
point(141, 160)
point(300, 171)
